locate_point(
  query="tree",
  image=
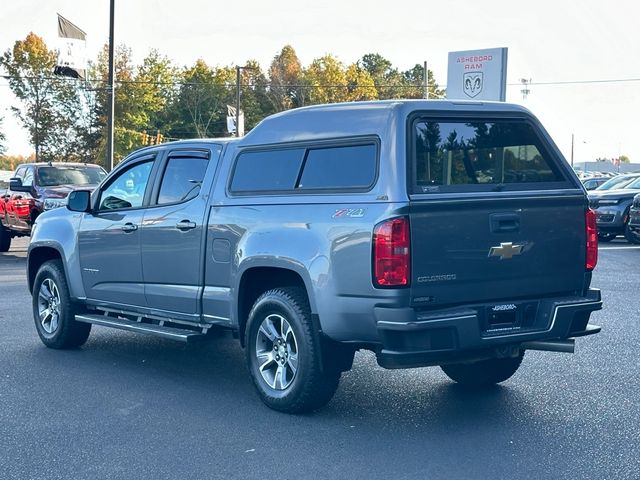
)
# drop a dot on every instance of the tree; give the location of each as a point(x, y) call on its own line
point(414, 81)
point(360, 84)
point(389, 82)
point(255, 100)
point(327, 80)
point(624, 159)
point(285, 80)
point(47, 110)
point(3, 139)
point(200, 108)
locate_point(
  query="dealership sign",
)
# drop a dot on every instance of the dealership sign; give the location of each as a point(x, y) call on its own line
point(478, 75)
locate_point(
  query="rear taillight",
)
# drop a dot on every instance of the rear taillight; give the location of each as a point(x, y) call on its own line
point(391, 253)
point(592, 240)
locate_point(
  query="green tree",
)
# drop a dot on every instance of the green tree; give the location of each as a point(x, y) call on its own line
point(388, 80)
point(153, 89)
point(200, 108)
point(47, 107)
point(129, 121)
point(624, 159)
point(255, 99)
point(414, 83)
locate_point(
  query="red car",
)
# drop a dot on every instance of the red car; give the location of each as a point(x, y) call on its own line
point(36, 187)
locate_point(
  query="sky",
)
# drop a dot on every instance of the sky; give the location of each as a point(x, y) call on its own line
point(548, 41)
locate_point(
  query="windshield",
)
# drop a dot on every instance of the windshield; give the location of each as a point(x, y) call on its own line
point(76, 175)
point(634, 184)
point(616, 182)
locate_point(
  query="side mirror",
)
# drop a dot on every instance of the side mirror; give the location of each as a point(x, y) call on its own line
point(15, 184)
point(79, 201)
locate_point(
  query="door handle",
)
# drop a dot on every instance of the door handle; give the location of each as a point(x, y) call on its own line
point(185, 225)
point(129, 227)
point(504, 222)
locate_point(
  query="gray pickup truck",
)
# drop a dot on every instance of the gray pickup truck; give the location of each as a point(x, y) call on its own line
point(429, 232)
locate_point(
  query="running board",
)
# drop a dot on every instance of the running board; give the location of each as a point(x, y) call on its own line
point(179, 334)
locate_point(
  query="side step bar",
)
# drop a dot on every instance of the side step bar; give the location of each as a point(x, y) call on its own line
point(179, 334)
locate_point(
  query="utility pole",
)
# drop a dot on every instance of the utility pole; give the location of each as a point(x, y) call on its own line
point(238, 86)
point(110, 93)
point(238, 68)
point(572, 149)
point(425, 93)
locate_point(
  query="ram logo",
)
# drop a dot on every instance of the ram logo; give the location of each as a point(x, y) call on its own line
point(472, 83)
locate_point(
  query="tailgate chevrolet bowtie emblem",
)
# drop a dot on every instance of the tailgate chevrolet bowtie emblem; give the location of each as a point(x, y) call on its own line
point(505, 250)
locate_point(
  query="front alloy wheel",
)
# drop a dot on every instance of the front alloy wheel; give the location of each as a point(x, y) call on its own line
point(49, 306)
point(54, 311)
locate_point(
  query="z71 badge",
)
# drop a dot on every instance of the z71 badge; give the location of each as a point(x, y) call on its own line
point(350, 212)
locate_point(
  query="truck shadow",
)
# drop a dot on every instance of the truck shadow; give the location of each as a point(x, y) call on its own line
point(213, 372)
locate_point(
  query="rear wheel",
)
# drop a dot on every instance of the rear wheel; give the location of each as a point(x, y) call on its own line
point(631, 236)
point(483, 373)
point(54, 312)
point(284, 355)
point(606, 237)
point(5, 239)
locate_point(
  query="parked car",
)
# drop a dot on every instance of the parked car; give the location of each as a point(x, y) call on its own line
point(634, 219)
point(593, 183)
point(621, 181)
point(612, 210)
point(36, 187)
point(329, 229)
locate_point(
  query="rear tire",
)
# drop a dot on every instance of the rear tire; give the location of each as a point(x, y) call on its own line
point(54, 312)
point(631, 236)
point(483, 373)
point(606, 237)
point(5, 239)
point(284, 354)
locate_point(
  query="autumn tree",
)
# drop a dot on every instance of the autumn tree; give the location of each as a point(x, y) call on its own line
point(327, 80)
point(285, 79)
point(49, 104)
point(360, 84)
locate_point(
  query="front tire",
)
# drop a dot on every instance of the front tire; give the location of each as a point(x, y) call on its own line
point(284, 355)
point(606, 237)
point(5, 239)
point(631, 236)
point(54, 312)
point(483, 373)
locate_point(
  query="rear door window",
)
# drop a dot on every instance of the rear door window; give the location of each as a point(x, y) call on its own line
point(182, 178)
point(458, 155)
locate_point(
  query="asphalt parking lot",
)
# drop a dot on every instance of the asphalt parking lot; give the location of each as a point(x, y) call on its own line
point(126, 406)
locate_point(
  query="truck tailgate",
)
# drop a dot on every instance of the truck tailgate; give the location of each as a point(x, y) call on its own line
point(485, 250)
